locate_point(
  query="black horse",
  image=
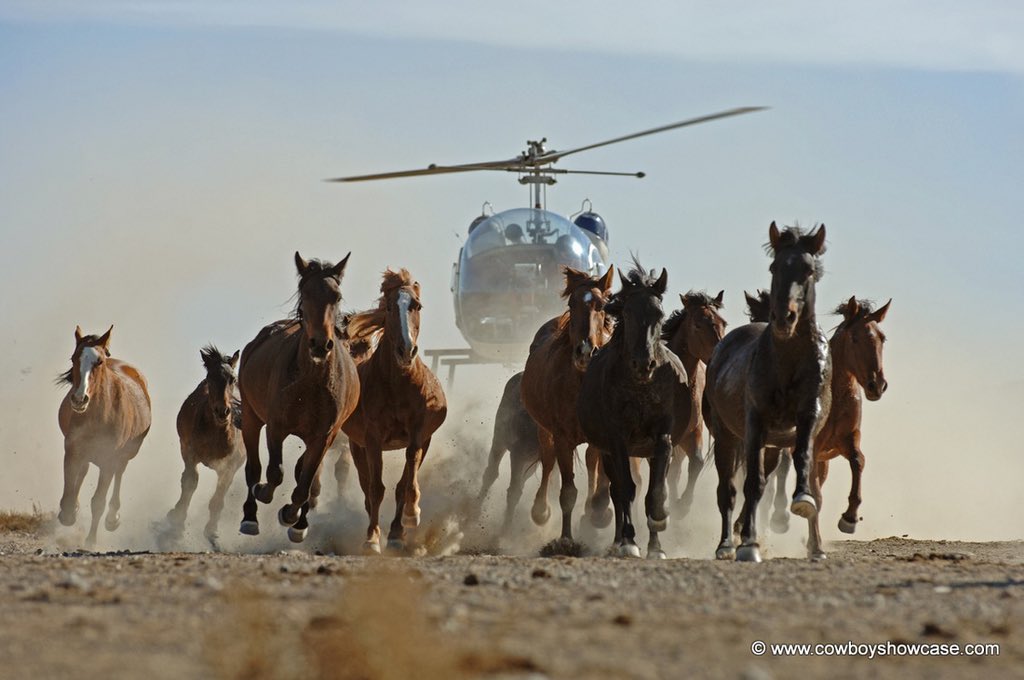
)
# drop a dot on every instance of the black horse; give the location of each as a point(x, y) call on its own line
point(769, 385)
point(515, 431)
point(626, 405)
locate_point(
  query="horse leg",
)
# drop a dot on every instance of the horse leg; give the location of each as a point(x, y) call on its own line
point(189, 482)
point(361, 461)
point(598, 506)
point(805, 504)
point(519, 461)
point(75, 468)
point(848, 520)
point(497, 452)
point(753, 488)
point(342, 467)
point(780, 513)
point(113, 519)
point(627, 495)
point(275, 466)
point(99, 499)
point(540, 511)
point(567, 493)
point(818, 476)
point(374, 467)
point(407, 497)
point(674, 475)
point(225, 475)
point(657, 495)
point(695, 465)
point(726, 445)
point(251, 426)
point(305, 479)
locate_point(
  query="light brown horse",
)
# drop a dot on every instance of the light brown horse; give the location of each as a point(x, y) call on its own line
point(208, 432)
point(691, 334)
point(104, 418)
point(551, 385)
point(856, 348)
point(297, 378)
point(401, 405)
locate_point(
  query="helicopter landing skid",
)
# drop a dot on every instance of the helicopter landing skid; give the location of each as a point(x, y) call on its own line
point(452, 358)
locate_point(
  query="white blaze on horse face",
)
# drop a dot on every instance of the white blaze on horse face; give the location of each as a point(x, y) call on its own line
point(588, 296)
point(86, 362)
point(404, 300)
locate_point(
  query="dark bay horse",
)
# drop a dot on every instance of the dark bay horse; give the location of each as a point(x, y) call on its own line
point(209, 432)
point(515, 432)
point(691, 333)
point(401, 405)
point(297, 378)
point(551, 384)
point(626, 405)
point(856, 348)
point(104, 417)
point(769, 385)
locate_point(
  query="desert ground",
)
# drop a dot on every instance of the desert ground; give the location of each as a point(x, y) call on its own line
point(313, 614)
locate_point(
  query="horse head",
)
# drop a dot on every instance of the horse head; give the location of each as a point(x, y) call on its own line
point(587, 324)
point(795, 269)
point(759, 306)
point(319, 296)
point(862, 341)
point(91, 353)
point(703, 325)
point(401, 297)
point(637, 306)
point(220, 381)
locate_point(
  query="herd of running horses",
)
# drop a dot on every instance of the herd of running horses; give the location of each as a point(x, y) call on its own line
point(610, 372)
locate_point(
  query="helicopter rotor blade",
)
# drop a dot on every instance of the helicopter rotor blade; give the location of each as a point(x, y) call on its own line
point(511, 165)
point(555, 155)
point(562, 171)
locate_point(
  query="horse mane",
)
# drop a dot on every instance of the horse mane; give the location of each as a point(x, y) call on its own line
point(66, 378)
point(791, 236)
point(761, 300)
point(368, 325)
point(673, 323)
point(314, 267)
point(212, 357)
point(864, 307)
point(638, 276)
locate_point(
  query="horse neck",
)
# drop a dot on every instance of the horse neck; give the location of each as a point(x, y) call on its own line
point(681, 348)
point(793, 350)
point(842, 362)
point(385, 361)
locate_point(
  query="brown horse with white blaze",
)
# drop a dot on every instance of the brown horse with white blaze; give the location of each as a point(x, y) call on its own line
point(208, 432)
point(296, 378)
point(551, 386)
point(104, 417)
point(401, 405)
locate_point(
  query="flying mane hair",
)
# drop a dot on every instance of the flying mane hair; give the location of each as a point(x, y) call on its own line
point(212, 357)
point(366, 326)
point(66, 378)
point(864, 307)
point(791, 236)
point(314, 267)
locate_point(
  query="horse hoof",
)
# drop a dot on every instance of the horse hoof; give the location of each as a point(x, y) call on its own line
point(540, 515)
point(657, 554)
point(599, 519)
point(67, 520)
point(284, 516)
point(264, 493)
point(780, 523)
point(628, 550)
point(112, 523)
point(249, 527)
point(725, 552)
point(296, 535)
point(846, 526)
point(396, 545)
point(411, 521)
point(656, 525)
point(748, 553)
point(817, 556)
point(371, 548)
point(804, 506)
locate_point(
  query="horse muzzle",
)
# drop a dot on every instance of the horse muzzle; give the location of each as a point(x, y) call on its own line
point(643, 371)
point(582, 354)
point(875, 388)
point(318, 352)
point(79, 406)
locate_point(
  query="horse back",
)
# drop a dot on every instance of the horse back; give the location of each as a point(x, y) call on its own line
point(727, 376)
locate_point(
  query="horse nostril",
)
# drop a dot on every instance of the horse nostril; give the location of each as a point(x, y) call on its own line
point(791, 316)
point(415, 350)
point(885, 386)
point(330, 345)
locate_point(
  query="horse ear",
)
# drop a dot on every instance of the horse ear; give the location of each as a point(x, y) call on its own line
point(815, 243)
point(720, 298)
point(608, 278)
point(751, 300)
point(773, 235)
point(661, 285)
point(300, 264)
point(78, 334)
point(624, 281)
point(233, 361)
point(339, 269)
point(682, 298)
point(879, 314)
point(104, 340)
point(851, 308)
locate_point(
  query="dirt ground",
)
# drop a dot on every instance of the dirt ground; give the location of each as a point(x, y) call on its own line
point(300, 614)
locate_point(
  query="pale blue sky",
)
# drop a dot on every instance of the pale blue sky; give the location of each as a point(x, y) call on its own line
point(160, 162)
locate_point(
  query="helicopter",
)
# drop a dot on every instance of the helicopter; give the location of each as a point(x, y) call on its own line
point(508, 277)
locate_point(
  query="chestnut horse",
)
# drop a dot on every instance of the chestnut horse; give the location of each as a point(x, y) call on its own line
point(856, 348)
point(208, 431)
point(297, 378)
point(691, 333)
point(104, 417)
point(627, 407)
point(401, 405)
point(551, 386)
point(769, 385)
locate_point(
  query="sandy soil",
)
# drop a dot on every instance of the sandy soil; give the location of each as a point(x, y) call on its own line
point(300, 614)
